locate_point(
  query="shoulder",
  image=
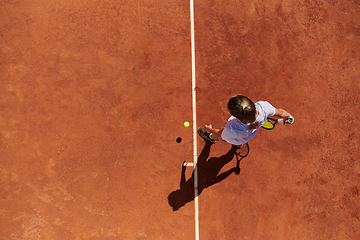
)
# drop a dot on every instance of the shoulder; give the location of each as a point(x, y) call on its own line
point(233, 121)
point(235, 124)
point(263, 103)
point(266, 107)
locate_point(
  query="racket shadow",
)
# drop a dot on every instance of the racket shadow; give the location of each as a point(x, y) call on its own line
point(208, 175)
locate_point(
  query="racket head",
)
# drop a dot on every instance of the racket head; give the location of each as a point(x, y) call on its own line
point(242, 152)
point(269, 124)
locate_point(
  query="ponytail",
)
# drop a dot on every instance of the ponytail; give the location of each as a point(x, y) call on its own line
point(254, 125)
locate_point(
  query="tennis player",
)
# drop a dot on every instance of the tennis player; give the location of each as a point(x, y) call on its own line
point(245, 121)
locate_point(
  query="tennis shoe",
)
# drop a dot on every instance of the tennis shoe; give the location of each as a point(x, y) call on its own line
point(205, 135)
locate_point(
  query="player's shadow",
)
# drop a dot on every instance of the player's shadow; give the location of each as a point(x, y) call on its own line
point(208, 174)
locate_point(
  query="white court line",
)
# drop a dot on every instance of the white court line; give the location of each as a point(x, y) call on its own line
point(190, 164)
point(194, 119)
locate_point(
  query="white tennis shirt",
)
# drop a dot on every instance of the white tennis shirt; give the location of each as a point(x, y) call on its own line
point(236, 132)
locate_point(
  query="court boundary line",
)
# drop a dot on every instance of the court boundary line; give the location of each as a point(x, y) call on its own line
point(193, 80)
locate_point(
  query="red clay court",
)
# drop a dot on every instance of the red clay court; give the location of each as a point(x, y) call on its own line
point(94, 94)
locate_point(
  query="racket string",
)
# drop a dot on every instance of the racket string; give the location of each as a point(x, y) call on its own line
point(242, 152)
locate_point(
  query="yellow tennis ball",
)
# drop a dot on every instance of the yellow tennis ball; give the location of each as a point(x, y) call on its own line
point(186, 124)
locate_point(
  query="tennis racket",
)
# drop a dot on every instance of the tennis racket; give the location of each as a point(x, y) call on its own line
point(240, 153)
point(270, 122)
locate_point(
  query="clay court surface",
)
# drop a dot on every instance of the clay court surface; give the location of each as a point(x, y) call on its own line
point(94, 94)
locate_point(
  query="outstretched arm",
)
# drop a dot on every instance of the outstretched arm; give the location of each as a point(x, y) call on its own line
point(216, 133)
point(279, 112)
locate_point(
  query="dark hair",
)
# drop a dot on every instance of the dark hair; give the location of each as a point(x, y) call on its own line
point(243, 108)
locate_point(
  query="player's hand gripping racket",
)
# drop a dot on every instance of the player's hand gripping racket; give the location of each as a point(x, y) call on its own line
point(270, 122)
point(240, 153)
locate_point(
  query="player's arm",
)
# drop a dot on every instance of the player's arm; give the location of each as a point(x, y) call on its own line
point(216, 133)
point(281, 113)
